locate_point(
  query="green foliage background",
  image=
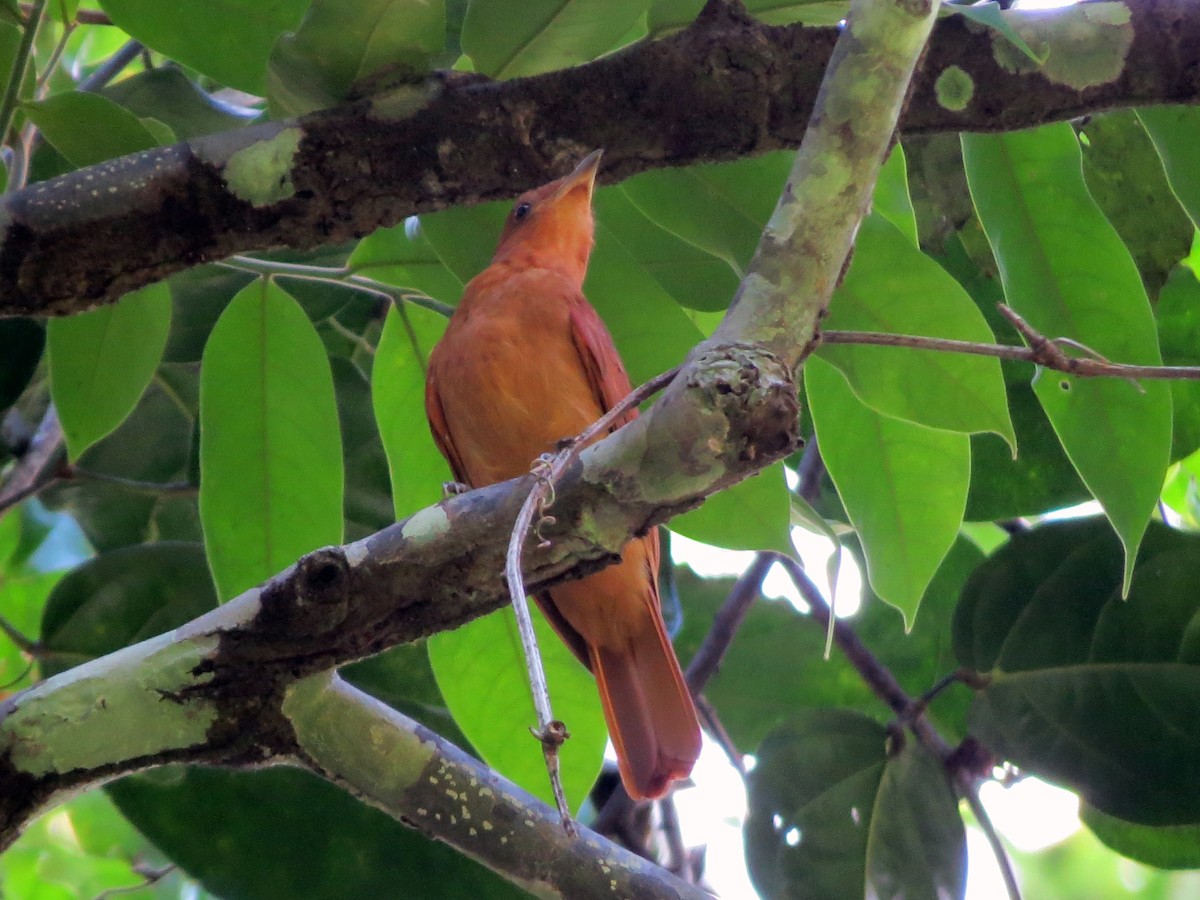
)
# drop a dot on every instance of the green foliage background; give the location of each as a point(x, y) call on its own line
point(220, 424)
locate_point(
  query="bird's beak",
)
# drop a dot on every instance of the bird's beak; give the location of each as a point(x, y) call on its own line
point(584, 175)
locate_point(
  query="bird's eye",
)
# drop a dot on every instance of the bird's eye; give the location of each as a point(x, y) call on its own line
point(521, 211)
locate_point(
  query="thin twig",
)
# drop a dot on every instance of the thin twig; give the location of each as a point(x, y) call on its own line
point(677, 855)
point(547, 472)
point(716, 730)
point(339, 276)
point(82, 16)
point(1042, 351)
point(38, 467)
point(729, 617)
point(111, 67)
point(967, 788)
point(877, 676)
point(151, 488)
point(16, 75)
point(23, 643)
point(55, 55)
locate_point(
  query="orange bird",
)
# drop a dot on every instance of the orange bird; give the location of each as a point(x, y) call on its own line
point(525, 362)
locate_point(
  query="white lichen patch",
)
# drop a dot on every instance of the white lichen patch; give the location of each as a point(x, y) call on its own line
point(261, 173)
point(425, 525)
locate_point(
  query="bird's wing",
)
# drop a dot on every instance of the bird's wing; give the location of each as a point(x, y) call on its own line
point(603, 366)
point(610, 384)
point(437, 423)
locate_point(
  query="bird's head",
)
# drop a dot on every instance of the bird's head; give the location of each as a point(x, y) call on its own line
point(551, 226)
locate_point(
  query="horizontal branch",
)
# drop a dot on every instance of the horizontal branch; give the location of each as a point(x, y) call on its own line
point(725, 88)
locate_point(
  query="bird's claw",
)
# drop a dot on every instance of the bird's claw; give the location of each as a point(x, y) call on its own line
point(453, 489)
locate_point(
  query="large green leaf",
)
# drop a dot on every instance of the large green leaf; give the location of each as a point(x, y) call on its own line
point(1168, 847)
point(1178, 313)
point(21, 343)
point(122, 597)
point(87, 128)
point(280, 835)
point(1087, 689)
point(101, 362)
point(751, 515)
point(721, 208)
point(402, 256)
point(904, 486)
point(892, 199)
point(167, 95)
point(270, 449)
point(228, 40)
point(666, 16)
point(836, 812)
point(340, 44)
point(480, 670)
point(1066, 271)
point(1175, 131)
point(893, 287)
point(507, 41)
point(1126, 179)
point(153, 445)
point(398, 393)
point(692, 277)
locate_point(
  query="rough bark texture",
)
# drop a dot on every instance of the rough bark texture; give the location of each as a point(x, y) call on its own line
point(724, 88)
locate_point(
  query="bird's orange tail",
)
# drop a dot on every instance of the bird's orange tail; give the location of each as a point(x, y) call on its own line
point(649, 710)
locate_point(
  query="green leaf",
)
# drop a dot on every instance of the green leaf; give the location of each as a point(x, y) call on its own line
point(721, 208)
point(904, 486)
point(368, 488)
point(1126, 179)
point(403, 256)
point(893, 287)
point(1168, 847)
point(833, 812)
point(87, 128)
point(506, 41)
point(480, 670)
point(666, 16)
point(398, 393)
point(1087, 689)
point(692, 277)
point(278, 835)
point(1178, 314)
point(154, 444)
point(1175, 131)
point(892, 199)
point(169, 96)
point(270, 449)
point(227, 40)
point(101, 362)
point(122, 597)
point(992, 15)
point(338, 45)
point(752, 515)
point(1066, 271)
point(21, 342)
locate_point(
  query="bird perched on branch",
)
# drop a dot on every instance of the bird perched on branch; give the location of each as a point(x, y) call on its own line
point(524, 363)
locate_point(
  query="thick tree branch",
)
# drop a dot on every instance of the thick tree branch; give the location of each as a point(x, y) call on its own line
point(401, 767)
point(212, 691)
point(725, 88)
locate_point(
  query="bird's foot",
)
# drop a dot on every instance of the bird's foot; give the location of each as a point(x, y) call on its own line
point(453, 489)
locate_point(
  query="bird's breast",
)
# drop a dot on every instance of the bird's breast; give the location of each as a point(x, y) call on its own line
point(512, 386)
